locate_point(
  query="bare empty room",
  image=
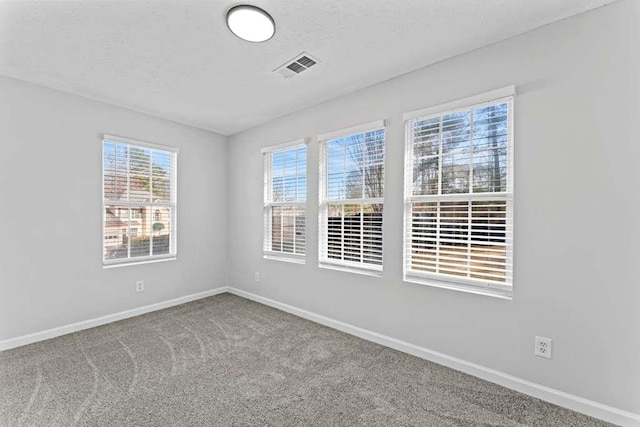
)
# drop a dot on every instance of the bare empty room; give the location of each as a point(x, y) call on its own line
point(319, 213)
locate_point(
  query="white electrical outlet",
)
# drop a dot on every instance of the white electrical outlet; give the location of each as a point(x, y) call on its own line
point(257, 277)
point(140, 286)
point(543, 347)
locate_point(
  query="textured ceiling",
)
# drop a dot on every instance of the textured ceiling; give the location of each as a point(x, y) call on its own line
point(176, 59)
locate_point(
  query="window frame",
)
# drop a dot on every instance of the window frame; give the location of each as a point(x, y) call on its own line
point(268, 203)
point(477, 286)
point(172, 204)
point(323, 260)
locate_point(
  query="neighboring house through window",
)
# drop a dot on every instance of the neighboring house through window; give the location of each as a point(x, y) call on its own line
point(352, 197)
point(138, 179)
point(459, 194)
point(285, 198)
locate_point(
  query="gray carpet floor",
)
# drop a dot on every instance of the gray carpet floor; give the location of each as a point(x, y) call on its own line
point(225, 360)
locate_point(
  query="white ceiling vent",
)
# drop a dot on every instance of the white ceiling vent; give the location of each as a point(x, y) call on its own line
point(296, 66)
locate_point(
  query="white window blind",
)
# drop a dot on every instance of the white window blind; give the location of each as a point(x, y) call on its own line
point(139, 201)
point(351, 197)
point(459, 197)
point(285, 197)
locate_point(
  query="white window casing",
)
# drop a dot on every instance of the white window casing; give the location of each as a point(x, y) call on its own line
point(352, 198)
point(285, 199)
point(458, 222)
point(139, 201)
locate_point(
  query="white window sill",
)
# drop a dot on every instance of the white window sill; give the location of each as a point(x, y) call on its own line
point(461, 287)
point(373, 272)
point(138, 262)
point(285, 258)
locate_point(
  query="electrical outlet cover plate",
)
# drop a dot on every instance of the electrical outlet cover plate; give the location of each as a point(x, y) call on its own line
point(139, 286)
point(543, 347)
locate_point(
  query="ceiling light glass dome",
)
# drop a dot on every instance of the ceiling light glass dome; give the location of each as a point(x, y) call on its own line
point(251, 23)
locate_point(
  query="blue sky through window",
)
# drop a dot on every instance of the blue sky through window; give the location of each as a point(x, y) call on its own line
point(448, 146)
point(289, 175)
point(351, 161)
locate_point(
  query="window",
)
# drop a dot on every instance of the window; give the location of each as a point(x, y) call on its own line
point(459, 194)
point(351, 197)
point(137, 179)
point(285, 198)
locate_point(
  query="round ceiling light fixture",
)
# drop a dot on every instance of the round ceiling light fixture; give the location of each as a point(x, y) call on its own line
point(251, 23)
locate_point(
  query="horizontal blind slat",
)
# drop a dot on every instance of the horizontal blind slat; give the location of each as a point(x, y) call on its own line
point(458, 210)
point(285, 192)
point(351, 197)
point(139, 201)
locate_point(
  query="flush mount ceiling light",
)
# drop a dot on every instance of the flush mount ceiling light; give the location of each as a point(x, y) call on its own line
point(250, 23)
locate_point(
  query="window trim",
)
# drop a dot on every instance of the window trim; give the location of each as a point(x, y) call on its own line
point(173, 205)
point(462, 104)
point(476, 286)
point(268, 204)
point(142, 260)
point(130, 141)
point(352, 130)
point(323, 202)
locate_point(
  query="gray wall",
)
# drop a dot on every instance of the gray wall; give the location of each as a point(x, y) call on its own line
point(50, 202)
point(576, 202)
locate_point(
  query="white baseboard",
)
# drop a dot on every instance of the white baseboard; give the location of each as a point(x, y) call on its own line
point(560, 398)
point(91, 323)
